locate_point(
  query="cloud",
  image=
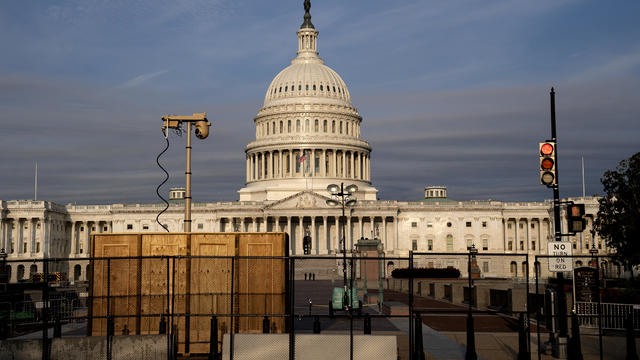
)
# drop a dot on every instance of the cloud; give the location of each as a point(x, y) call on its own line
point(140, 79)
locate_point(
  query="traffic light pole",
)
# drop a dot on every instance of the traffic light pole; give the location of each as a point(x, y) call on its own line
point(560, 348)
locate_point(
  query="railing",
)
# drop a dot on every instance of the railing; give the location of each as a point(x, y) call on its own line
point(613, 315)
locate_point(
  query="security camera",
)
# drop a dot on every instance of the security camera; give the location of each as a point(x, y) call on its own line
point(202, 129)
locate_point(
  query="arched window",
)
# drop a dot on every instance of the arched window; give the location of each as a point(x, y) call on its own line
point(33, 269)
point(346, 128)
point(315, 126)
point(340, 127)
point(299, 87)
point(280, 126)
point(298, 125)
point(320, 87)
point(306, 125)
point(77, 272)
point(514, 268)
point(289, 126)
point(20, 273)
point(524, 268)
point(314, 87)
point(324, 126)
point(333, 126)
point(449, 242)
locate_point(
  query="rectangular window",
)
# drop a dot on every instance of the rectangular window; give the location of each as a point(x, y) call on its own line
point(429, 225)
point(414, 224)
point(317, 164)
point(430, 244)
point(104, 228)
point(508, 226)
point(469, 244)
point(414, 244)
point(521, 245)
point(533, 245)
point(468, 223)
point(24, 247)
point(484, 224)
point(485, 266)
point(521, 226)
point(485, 244)
point(38, 247)
point(93, 228)
point(200, 226)
point(533, 226)
point(510, 245)
point(129, 227)
point(145, 227)
point(81, 228)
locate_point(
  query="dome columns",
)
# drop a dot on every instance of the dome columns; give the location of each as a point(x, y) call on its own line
point(335, 163)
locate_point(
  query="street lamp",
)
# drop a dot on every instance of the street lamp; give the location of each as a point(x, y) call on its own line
point(341, 197)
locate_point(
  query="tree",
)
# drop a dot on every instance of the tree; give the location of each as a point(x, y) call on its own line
point(618, 219)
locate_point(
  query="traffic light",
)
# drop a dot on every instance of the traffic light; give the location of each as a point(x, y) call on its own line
point(575, 218)
point(548, 163)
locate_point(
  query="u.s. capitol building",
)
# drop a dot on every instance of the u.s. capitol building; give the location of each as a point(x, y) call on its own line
point(307, 137)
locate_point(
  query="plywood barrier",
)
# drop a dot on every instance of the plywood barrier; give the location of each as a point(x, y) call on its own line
point(199, 286)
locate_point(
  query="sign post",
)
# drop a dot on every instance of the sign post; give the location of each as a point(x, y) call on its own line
point(561, 262)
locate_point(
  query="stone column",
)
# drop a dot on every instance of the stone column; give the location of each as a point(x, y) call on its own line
point(337, 241)
point(527, 237)
point(517, 238)
point(74, 241)
point(313, 162)
point(353, 165)
point(87, 239)
point(300, 236)
point(348, 238)
point(322, 243)
point(280, 164)
point(314, 238)
point(44, 242)
point(384, 231)
point(504, 235)
point(291, 238)
point(395, 236)
point(292, 164)
point(323, 162)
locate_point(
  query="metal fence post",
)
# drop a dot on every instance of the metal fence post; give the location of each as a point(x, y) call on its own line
point(471, 341)
point(523, 347)
point(411, 334)
point(213, 339)
point(419, 347)
point(45, 311)
point(575, 351)
point(632, 353)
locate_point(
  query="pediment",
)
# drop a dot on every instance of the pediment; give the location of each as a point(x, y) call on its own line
point(303, 200)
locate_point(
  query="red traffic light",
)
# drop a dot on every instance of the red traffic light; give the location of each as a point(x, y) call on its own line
point(546, 149)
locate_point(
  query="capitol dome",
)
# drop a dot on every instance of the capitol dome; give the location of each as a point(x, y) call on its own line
point(307, 79)
point(307, 131)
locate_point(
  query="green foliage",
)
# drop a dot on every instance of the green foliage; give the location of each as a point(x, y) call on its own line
point(618, 219)
point(446, 273)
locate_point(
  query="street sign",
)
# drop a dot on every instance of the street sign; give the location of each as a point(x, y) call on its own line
point(560, 263)
point(585, 284)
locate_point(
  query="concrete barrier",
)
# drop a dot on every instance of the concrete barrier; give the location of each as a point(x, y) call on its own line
point(310, 347)
point(91, 347)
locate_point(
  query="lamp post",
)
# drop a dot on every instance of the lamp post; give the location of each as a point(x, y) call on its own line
point(341, 196)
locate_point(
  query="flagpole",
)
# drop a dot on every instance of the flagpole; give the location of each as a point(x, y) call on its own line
point(35, 185)
point(583, 177)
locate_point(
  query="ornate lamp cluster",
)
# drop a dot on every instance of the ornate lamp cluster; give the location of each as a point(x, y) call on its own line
point(341, 196)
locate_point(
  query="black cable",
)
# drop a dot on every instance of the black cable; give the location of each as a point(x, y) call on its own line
point(163, 182)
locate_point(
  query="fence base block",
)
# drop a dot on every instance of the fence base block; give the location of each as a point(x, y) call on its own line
point(311, 346)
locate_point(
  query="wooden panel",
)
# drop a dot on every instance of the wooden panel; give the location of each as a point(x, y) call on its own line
point(154, 285)
point(210, 286)
point(202, 285)
point(124, 282)
point(261, 281)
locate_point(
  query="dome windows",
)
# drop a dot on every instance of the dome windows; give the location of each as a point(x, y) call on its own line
point(334, 89)
point(314, 87)
point(299, 87)
point(320, 87)
point(307, 85)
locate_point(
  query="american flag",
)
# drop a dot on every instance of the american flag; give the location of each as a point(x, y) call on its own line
point(302, 158)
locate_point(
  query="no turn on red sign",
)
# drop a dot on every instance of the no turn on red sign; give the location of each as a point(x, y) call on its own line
point(562, 261)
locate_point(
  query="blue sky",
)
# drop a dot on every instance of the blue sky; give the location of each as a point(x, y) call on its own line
point(452, 92)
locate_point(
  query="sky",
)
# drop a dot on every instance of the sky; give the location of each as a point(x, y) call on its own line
point(451, 92)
